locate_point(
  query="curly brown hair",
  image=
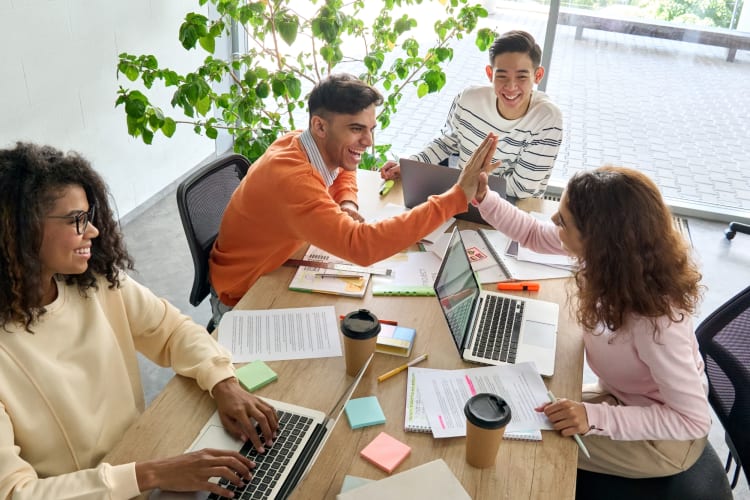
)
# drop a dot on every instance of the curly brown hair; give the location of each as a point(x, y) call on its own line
point(634, 260)
point(32, 177)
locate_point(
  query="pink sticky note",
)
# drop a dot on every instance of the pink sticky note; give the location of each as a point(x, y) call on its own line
point(386, 452)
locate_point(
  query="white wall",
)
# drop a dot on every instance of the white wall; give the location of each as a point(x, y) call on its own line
point(58, 86)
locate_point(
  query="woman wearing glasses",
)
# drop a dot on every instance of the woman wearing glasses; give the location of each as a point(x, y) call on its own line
point(637, 289)
point(71, 322)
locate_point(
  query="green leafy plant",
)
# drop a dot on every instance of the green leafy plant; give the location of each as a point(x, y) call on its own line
point(290, 50)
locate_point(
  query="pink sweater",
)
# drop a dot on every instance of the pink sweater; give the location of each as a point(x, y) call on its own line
point(658, 376)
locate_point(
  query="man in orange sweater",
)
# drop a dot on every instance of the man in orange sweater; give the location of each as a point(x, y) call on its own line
point(304, 190)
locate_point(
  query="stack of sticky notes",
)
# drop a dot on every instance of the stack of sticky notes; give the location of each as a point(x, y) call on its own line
point(396, 340)
point(362, 412)
point(385, 452)
point(255, 375)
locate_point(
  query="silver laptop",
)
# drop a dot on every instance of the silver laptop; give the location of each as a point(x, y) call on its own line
point(421, 180)
point(301, 436)
point(493, 328)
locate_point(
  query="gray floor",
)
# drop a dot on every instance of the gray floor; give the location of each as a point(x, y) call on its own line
point(683, 161)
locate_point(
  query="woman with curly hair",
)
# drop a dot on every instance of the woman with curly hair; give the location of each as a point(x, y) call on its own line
point(637, 290)
point(71, 322)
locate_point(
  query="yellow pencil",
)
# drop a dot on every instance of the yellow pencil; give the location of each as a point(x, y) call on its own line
point(401, 368)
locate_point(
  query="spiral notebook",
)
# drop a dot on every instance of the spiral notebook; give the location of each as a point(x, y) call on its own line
point(513, 269)
point(415, 416)
point(413, 274)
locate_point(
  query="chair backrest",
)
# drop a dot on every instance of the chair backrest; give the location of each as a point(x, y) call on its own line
point(724, 339)
point(201, 200)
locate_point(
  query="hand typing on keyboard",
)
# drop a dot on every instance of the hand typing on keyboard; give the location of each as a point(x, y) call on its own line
point(192, 471)
point(239, 411)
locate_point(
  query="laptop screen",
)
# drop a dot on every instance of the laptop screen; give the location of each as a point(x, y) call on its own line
point(457, 289)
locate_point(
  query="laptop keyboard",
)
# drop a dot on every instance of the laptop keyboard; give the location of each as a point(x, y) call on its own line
point(499, 329)
point(271, 466)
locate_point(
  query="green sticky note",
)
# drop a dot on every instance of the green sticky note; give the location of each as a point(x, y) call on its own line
point(362, 412)
point(255, 375)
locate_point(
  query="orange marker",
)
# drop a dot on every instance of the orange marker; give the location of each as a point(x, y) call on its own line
point(522, 286)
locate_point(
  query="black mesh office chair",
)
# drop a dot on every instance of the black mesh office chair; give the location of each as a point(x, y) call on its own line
point(736, 227)
point(201, 200)
point(724, 339)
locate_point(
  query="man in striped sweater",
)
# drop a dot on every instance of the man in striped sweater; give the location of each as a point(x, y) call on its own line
point(527, 122)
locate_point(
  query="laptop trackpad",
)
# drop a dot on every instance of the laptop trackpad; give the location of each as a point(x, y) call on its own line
point(539, 334)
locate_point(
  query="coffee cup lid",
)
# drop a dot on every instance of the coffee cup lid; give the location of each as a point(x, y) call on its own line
point(488, 411)
point(360, 324)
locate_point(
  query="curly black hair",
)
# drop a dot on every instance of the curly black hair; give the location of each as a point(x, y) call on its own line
point(32, 177)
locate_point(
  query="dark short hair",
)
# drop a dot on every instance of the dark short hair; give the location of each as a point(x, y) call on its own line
point(342, 93)
point(517, 41)
point(32, 178)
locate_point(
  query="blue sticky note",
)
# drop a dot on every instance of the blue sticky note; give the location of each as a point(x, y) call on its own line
point(362, 412)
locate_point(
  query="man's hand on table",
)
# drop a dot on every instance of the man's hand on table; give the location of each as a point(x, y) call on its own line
point(390, 170)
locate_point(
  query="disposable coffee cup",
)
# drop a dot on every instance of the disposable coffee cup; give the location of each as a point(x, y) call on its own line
point(486, 417)
point(360, 329)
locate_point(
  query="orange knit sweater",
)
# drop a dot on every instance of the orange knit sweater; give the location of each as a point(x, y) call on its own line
point(283, 203)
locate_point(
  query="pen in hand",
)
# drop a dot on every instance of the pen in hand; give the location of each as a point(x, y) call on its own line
point(578, 439)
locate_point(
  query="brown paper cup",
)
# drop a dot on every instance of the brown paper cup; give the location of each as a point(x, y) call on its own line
point(360, 329)
point(482, 445)
point(356, 353)
point(486, 417)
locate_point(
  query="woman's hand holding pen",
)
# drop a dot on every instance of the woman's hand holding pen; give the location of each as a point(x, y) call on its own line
point(479, 163)
point(568, 417)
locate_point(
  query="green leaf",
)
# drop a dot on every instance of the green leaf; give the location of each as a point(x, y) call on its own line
point(293, 86)
point(148, 136)
point(211, 132)
point(128, 69)
point(134, 126)
point(135, 107)
point(203, 105)
point(287, 27)
point(251, 78)
point(279, 87)
point(485, 38)
point(169, 127)
point(194, 27)
point(423, 90)
point(262, 90)
point(208, 43)
point(435, 80)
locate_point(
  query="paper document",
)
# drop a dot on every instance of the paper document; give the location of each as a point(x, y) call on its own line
point(445, 392)
point(413, 274)
point(278, 334)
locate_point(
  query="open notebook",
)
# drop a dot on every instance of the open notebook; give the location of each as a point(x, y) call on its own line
point(415, 416)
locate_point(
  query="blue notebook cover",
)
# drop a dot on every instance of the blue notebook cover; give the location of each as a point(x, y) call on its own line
point(362, 412)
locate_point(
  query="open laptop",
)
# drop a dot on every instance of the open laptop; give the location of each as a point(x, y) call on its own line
point(493, 328)
point(301, 436)
point(421, 180)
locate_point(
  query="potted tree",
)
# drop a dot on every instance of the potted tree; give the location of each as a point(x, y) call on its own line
point(290, 46)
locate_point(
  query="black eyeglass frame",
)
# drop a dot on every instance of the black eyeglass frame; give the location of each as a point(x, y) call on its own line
point(82, 219)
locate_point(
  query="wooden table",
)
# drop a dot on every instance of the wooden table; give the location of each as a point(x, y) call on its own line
point(534, 470)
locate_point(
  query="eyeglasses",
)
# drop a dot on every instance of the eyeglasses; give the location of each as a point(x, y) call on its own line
point(82, 219)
